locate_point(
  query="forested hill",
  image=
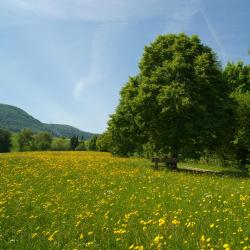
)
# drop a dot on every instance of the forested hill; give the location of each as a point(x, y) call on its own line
point(67, 131)
point(16, 119)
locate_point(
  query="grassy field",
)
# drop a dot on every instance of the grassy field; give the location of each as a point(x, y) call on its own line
point(86, 200)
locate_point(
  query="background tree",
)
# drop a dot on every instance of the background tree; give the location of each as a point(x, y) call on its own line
point(242, 135)
point(5, 141)
point(238, 76)
point(81, 146)
point(25, 140)
point(42, 141)
point(92, 143)
point(60, 144)
point(181, 102)
point(104, 142)
point(74, 142)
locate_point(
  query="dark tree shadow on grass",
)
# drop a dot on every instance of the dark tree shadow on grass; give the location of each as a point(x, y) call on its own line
point(198, 171)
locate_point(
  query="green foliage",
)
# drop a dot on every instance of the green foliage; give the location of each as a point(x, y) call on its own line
point(92, 143)
point(5, 141)
point(42, 141)
point(81, 146)
point(60, 144)
point(104, 142)
point(15, 119)
point(124, 125)
point(242, 135)
point(238, 76)
point(25, 140)
point(74, 142)
point(176, 103)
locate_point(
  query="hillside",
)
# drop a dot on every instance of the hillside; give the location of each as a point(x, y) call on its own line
point(67, 131)
point(16, 119)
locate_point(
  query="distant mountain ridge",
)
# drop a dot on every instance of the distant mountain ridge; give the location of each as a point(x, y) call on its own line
point(16, 119)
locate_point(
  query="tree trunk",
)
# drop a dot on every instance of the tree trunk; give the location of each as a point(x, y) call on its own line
point(173, 160)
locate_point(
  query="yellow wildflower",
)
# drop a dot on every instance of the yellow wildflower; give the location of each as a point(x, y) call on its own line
point(133, 247)
point(226, 246)
point(157, 239)
point(120, 231)
point(203, 238)
point(175, 222)
point(34, 235)
point(161, 222)
point(138, 247)
point(51, 238)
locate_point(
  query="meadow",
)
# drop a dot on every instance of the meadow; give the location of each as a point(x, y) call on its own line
point(90, 200)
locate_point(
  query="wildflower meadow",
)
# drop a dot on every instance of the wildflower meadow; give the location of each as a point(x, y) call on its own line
point(90, 200)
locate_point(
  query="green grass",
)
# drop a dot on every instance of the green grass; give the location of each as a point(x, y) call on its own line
point(87, 200)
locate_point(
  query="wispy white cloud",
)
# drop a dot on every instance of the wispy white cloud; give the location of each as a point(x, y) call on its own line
point(103, 10)
point(176, 13)
point(181, 15)
point(107, 13)
point(214, 35)
point(96, 64)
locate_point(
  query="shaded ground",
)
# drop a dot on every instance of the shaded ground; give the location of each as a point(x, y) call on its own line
point(198, 168)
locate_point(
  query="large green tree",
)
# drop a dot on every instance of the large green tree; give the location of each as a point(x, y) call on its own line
point(179, 103)
point(125, 134)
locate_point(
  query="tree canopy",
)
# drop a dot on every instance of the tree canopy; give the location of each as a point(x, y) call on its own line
point(176, 102)
point(238, 76)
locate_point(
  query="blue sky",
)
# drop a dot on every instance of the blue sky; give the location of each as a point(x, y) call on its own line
point(65, 61)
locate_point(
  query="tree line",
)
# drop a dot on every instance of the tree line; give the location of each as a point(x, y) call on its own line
point(27, 140)
point(183, 104)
